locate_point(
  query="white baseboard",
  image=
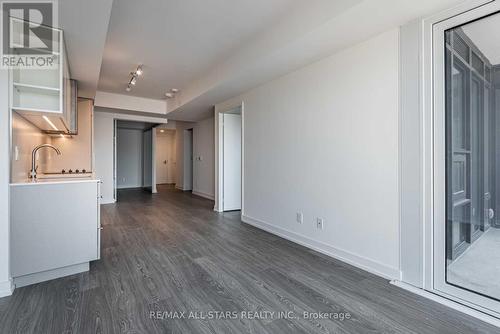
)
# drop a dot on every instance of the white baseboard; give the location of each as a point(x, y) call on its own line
point(364, 263)
point(6, 288)
point(50, 274)
point(204, 195)
point(108, 201)
point(448, 302)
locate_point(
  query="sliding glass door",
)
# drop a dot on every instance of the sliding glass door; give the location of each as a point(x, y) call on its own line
point(467, 120)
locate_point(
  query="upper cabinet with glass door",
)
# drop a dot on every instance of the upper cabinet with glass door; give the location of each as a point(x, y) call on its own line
point(40, 86)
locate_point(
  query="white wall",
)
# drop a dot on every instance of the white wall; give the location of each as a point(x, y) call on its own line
point(324, 141)
point(203, 148)
point(129, 156)
point(411, 148)
point(127, 102)
point(204, 153)
point(5, 281)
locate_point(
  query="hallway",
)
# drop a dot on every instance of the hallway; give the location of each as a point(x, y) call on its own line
point(172, 252)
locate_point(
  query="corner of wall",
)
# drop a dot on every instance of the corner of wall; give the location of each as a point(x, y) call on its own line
point(6, 288)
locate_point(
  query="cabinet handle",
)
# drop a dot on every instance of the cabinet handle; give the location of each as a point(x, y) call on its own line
point(101, 228)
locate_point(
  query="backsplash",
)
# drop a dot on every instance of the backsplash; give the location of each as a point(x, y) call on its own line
point(25, 136)
point(76, 151)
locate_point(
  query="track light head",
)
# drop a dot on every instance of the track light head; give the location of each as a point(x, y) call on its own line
point(139, 70)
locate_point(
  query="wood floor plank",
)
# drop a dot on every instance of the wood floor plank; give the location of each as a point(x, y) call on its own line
point(171, 252)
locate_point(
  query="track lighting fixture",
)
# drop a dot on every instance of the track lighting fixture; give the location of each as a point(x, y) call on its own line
point(139, 70)
point(134, 75)
point(171, 93)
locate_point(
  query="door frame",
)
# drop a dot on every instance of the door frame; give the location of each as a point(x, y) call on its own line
point(167, 162)
point(115, 157)
point(153, 159)
point(188, 161)
point(219, 172)
point(435, 226)
point(118, 117)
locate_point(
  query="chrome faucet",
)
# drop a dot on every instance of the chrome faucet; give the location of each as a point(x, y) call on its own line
point(33, 158)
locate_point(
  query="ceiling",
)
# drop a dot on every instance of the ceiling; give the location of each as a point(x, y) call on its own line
point(480, 34)
point(214, 50)
point(85, 25)
point(177, 41)
point(314, 31)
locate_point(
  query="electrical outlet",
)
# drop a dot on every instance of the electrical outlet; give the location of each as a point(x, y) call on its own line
point(320, 222)
point(300, 217)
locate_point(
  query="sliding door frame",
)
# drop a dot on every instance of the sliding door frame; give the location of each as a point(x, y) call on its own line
point(435, 276)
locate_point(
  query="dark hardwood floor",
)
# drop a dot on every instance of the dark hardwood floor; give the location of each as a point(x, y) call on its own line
point(171, 253)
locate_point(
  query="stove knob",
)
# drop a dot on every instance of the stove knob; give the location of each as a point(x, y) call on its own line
point(77, 171)
point(84, 171)
point(70, 171)
point(63, 171)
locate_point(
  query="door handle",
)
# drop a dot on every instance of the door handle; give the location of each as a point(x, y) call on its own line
point(165, 162)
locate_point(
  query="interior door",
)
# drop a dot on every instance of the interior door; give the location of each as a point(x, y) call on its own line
point(162, 159)
point(231, 162)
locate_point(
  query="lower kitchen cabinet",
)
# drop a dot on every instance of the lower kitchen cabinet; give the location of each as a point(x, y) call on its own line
point(55, 229)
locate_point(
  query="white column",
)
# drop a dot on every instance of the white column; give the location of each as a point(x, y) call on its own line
point(6, 287)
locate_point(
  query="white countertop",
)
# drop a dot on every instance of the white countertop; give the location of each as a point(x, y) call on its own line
point(61, 180)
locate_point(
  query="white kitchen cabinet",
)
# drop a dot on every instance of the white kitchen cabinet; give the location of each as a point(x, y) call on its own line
point(55, 229)
point(43, 96)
